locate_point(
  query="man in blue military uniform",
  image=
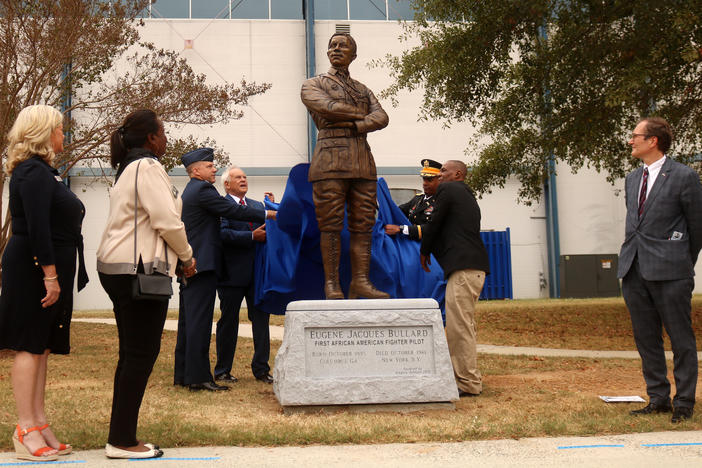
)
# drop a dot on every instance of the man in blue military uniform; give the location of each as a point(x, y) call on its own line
point(419, 209)
point(203, 207)
point(236, 282)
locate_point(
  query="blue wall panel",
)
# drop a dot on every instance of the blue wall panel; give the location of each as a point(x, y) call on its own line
point(498, 284)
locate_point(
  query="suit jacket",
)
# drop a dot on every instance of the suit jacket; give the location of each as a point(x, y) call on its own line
point(668, 235)
point(203, 207)
point(418, 211)
point(453, 234)
point(341, 153)
point(239, 250)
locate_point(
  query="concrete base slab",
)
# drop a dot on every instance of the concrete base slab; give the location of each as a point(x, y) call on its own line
point(384, 408)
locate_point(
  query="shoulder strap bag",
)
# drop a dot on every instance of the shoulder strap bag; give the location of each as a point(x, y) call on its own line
point(155, 286)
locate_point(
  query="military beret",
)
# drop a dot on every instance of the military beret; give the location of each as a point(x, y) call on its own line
point(200, 154)
point(430, 168)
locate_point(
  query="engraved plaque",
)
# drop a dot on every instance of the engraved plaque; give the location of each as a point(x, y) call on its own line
point(369, 351)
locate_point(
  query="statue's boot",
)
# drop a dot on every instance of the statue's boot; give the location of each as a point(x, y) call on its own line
point(360, 265)
point(330, 244)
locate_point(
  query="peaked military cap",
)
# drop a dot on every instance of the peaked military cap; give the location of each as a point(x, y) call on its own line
point(430, 168)
point(200, 154)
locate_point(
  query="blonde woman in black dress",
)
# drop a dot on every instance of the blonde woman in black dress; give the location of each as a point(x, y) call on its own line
point(38, 269)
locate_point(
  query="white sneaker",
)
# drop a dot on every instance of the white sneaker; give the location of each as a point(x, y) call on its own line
point(113, 452)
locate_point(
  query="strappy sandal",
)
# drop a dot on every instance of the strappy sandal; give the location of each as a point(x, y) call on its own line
point(63, 449)
point(23, 452)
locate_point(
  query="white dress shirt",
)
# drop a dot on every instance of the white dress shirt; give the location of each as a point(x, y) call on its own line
point(653, 171)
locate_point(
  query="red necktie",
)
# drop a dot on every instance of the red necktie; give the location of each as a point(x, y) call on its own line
point(242, 202)
point(644, 188)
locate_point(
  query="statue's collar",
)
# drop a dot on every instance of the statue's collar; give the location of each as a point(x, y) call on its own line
point(341, 72)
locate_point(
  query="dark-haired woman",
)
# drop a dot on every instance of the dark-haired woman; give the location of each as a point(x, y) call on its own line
point(39, 265)
point(135, 149)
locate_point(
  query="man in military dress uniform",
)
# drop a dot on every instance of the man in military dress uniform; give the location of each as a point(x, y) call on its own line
point(419, 209)
point(203, 207)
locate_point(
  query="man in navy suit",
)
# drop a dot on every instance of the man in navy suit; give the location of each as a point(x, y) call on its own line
point(656, 264)
point(236, 282)
point(203, 207)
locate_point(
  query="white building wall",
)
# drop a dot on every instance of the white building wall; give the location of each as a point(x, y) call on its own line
point(591, 212)
point(273, 133)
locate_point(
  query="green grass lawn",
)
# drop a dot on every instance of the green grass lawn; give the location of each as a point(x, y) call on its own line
point(523, 396)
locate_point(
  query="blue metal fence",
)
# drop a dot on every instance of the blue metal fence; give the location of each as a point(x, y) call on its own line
point(498, 284)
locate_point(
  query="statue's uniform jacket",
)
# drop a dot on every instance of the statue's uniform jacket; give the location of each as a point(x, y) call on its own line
point(342, 153)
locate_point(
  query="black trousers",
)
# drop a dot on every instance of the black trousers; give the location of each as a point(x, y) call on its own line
point(653, 304)
point(139, 327)
point(192, 351)
point(230, 298)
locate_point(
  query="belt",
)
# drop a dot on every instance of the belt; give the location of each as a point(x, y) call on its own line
point(82, 273)
point(338, 132)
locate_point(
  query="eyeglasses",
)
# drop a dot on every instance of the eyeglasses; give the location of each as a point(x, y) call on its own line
point(645, 135)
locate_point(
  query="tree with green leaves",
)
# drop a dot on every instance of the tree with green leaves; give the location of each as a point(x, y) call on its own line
point(85, 58)
point(568, 78)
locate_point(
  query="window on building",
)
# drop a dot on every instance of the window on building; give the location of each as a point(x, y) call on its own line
point(286, 9)
point(400, 10)
point(367, 9)
point(250, 9)
point(170, 8)
point(330, 9)
point(142, 14)
point(282, 9)
point(210, 9)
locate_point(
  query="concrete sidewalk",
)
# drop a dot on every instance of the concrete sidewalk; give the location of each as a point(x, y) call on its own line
point(277, 334)
point(172, 325)
point(669, 449)
point(655, 449)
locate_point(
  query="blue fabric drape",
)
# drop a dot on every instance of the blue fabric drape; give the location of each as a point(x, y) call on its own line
point(289, 264)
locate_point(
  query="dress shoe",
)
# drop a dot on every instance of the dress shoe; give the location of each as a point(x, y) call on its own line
point(265, 378)
point(226, 377)
point(652, 408)
point(114, 452)
point(462, 394)
point(681, 413)
point(209, 386)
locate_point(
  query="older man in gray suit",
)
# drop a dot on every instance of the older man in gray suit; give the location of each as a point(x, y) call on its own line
point(663, 239)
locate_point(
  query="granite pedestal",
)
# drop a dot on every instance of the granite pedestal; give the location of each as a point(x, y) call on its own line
point(363, 352)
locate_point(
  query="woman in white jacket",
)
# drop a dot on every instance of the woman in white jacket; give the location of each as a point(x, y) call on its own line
point(160, 242)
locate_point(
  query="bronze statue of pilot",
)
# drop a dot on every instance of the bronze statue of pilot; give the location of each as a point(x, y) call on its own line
point(342, 171)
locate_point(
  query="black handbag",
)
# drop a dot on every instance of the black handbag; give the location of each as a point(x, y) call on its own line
point(155, 286)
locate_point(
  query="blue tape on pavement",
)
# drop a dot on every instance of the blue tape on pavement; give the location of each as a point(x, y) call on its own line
point(27, 463)
point(174, 458)
point(672, 445)
point(563, 447)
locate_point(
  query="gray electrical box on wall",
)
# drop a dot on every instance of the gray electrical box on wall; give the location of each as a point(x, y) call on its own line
point(589, 276)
